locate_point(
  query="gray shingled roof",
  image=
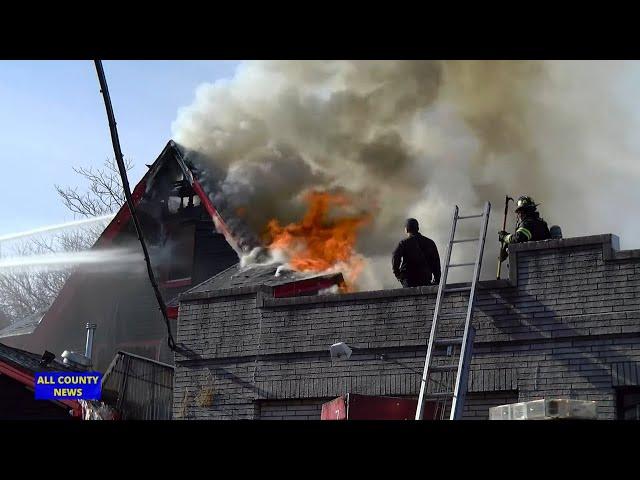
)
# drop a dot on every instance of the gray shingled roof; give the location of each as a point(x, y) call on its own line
point(253, 275)
point(27, 360)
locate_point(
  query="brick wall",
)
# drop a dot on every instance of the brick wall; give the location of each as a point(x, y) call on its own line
point(477, 405)
point(567, 313)
point(304, 409)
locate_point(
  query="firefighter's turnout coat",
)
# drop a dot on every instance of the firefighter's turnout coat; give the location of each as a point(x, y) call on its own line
point(531, 229)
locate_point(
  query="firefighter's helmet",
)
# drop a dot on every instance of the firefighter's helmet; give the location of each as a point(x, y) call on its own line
point(526, 204)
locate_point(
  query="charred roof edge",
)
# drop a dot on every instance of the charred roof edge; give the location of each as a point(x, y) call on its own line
point(389, 293)
point(610, 249)
point(225, 292)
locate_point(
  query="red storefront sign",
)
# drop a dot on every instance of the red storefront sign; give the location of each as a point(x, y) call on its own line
point(365, 407)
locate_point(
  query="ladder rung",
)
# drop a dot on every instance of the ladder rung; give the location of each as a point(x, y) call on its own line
point(448, 341)
point(459, 346)
point(439, 395)
point(457, 289)
point(443, 368)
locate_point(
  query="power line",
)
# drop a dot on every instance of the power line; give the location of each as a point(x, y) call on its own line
point(127, 192)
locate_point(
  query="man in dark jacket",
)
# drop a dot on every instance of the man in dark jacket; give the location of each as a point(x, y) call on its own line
point(530, 227)
point(415, 259)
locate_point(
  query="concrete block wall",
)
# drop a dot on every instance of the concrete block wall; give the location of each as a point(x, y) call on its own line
point(567, 313)
point(303, 409)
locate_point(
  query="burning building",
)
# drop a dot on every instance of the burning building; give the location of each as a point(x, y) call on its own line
point(564, 324)
point(379, 141)
point(179, 225)
point(189, 242)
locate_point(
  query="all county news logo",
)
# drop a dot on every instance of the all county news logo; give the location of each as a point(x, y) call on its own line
point(68, 386)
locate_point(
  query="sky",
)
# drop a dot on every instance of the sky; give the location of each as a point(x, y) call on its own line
point(53, 118)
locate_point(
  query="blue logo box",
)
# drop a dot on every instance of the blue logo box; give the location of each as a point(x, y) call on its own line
point(68, 386)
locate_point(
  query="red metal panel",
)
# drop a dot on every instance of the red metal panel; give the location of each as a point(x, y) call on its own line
point(215, 216)
point(310, 286)
point(177, 283)
point(17, 374)
point(122, 217)
point(363, 407)
point(28, 380)
point(366, 407)
point(334, 410)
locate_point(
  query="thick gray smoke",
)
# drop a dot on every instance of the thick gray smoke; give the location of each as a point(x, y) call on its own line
point(414, 138)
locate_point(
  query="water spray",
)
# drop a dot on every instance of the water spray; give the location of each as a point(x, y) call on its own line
point(113, 258)
point(59, 226)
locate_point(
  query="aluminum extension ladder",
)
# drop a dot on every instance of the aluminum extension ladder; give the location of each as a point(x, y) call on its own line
point(465, 343)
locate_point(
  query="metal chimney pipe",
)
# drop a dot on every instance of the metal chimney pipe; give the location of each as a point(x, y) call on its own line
point(88, 350)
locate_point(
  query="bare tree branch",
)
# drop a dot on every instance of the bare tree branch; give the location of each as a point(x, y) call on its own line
point(104, 195)
point(25, 292)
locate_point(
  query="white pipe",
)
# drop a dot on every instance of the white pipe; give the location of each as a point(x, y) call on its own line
point(88, 350)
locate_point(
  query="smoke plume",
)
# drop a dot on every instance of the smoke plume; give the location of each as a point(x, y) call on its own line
point(415, 138)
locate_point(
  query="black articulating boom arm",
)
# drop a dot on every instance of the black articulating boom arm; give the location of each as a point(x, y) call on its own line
point(127, 192)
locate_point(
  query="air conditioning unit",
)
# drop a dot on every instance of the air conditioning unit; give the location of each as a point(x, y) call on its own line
point(76, 360)
point(545, 409)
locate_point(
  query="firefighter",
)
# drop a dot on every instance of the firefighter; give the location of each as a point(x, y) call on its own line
point(530, 227)
point(415, 260)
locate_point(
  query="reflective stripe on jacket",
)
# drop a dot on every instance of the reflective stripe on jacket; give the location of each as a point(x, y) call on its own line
point(531, 229)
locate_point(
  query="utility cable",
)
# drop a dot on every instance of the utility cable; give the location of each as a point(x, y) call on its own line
point(127, 192)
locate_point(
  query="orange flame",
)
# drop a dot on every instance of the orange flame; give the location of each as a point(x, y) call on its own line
point(318, 243)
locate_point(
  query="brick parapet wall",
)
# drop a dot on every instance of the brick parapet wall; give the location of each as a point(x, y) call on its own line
point(569, 309)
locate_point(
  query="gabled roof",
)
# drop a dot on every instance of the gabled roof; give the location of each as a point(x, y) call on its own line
point(284, 282)
point(203, 179)
point(199, 175)
point(237, 276)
